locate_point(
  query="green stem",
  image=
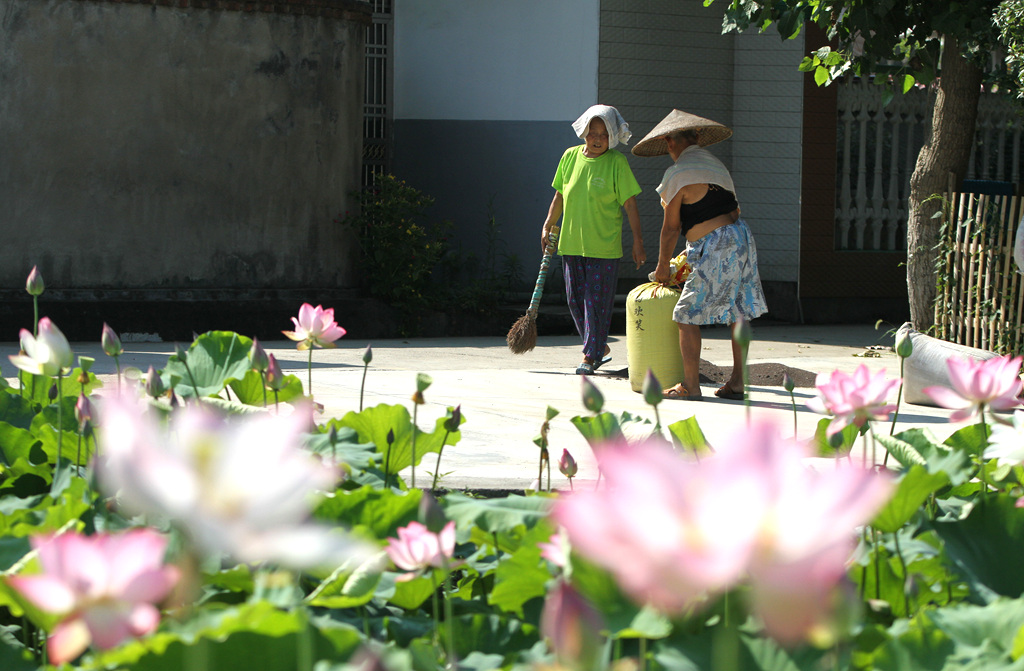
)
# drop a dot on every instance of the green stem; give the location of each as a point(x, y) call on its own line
point(60, 420)
point(792, 400)
point(35, 316)
point(643, 654)
point(78, 454)
point(304, 656)
point(878, 570)
point(895, 414)
point(436, 609)
point(309, 371)
point(415, 412)
point(449, 619)
point(263, 376)
point(362, 386)
point(117, 363)
point(981, 454)
point(657, 420)
point(437, 467)
point(188, 369)
point(903, 567)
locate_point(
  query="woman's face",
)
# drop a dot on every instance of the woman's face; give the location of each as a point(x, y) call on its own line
point(597, 138)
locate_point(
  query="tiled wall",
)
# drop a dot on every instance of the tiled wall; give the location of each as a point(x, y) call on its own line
point(656, 55)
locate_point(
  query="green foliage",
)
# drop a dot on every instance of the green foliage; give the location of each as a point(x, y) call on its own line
point(214, 359)
point(399, 250)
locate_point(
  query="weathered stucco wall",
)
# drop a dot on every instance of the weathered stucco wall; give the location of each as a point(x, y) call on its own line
point(155, 147)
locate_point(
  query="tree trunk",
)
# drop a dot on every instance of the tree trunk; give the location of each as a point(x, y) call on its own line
point(946, 153)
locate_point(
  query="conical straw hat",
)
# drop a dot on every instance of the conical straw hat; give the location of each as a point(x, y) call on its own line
point(708, 132)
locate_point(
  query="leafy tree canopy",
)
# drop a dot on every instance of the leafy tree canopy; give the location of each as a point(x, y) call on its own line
point(898, 38)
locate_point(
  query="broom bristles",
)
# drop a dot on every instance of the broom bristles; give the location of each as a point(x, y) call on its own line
point(522, 337)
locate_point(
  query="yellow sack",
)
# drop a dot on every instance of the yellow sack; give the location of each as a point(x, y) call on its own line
point(652, 338)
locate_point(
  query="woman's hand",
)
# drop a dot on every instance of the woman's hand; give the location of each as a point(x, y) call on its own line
point(662, 273)
point(545, 234)
point(639, 253)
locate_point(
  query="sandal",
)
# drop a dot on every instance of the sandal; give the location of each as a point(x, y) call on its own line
point(585, 368)
point(679, 392)
point(729, 395)
point(603, 361)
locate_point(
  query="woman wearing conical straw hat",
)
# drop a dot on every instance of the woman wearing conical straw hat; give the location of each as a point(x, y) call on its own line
point(593, 185)
point(699, 199)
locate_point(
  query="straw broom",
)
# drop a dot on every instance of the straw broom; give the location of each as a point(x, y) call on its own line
point(522, 337)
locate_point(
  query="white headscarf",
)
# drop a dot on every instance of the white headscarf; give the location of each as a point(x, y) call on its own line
point(618, 129)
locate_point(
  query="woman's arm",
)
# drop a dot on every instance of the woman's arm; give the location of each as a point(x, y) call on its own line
point(670, 228)
point(554, 213)
point(633, 215)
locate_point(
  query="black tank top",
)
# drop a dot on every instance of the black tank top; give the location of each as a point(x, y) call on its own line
point(715, 202)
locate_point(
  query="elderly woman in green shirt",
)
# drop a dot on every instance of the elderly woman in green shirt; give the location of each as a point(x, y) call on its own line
point(593, 185)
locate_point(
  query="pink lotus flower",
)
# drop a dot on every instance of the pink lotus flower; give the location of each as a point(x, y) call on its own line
point(46, 354)
point(110, 343)
point(572, 627)
point(103, 588)
point(669, 530)
point(315, 327)
point(853, 399)
point(417, 548)
point(34, 284)
point(567, 465)
point(243, 487)
point(672, 530)
point(556, 550)
point(994, 383)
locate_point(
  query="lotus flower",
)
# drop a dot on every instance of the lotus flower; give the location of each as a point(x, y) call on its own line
point(1006, 443)
point(244, 488)
point(556, 550)
point(853, 399)
point(110, 343)
point(103, 588)
point(417, 548)
point(46, 354)
point(673, 531)
point(572, 627)
point(34, 284)
point(314, 327)
point(994, 383)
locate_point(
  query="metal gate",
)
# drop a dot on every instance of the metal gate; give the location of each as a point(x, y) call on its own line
point(378, 92)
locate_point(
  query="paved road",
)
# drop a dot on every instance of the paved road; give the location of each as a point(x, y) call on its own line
point(504, 396)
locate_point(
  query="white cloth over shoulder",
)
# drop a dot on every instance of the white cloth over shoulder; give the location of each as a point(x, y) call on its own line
point(618, 129)
point(696, 165)
point(1018, 247)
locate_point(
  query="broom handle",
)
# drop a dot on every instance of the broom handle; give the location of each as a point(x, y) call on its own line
point(543, 276)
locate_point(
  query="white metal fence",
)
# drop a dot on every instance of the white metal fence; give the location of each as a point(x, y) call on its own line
point(877, 150)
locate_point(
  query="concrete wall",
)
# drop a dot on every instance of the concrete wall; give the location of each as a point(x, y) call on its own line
point(153, 147)
point(485, 94)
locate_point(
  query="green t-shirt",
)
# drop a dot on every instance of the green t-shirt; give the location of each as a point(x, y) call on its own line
point(593, 191)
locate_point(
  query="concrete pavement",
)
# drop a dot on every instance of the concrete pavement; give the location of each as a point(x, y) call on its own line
point(504, 397)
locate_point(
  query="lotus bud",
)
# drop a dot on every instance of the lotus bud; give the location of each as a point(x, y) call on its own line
point(258, 356)
point(454, 419)
point(51, 393)
point(110, 342)
point(154, 384)
point(34, 285)
point(592, 398)
point(275, 378)
point(180, 352)
point(567, 465)
point(904, 346)
point(83, 411)
point(742, 333)
point(367, 355)
point(431, 515)
point(787, 382)
point(572, 627)
point(391, 437)
point(651, 389)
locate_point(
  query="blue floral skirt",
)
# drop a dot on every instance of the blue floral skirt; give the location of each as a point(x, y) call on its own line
point(723, 284)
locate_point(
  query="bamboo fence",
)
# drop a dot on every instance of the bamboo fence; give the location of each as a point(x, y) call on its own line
point(980, 297)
